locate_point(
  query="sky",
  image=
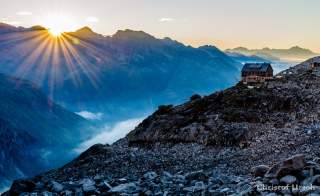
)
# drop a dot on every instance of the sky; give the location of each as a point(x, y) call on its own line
point(223, 23)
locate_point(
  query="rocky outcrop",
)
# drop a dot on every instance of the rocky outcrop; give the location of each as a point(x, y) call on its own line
point(234, 116)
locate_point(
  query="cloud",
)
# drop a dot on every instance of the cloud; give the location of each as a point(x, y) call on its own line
point(4, 188)
point(109, 135)
point(24, 13)
point(166, 19)
point(90, 115)
point(14, 23)
point(92, 19)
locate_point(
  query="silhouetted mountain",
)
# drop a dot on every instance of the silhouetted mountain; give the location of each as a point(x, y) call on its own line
point(34, 130)
point(246, 58)
point(276, 54)
point(85, 70)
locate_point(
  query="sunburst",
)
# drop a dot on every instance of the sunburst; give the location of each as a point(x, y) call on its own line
point(57, 54)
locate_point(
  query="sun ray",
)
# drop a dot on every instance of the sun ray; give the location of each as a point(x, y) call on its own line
point(31, 58)
point(85, 66)
point(70, 65)
point(55, 59)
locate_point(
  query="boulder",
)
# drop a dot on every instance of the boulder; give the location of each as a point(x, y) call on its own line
point(288, 180)
point(197, 175)
point(88, 185)
point(259, 170)
point(56, 187)
point(286, 167)
point(128, 188)
point(21, 186)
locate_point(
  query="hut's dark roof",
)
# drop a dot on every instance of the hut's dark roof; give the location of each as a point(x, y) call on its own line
point(261, 67)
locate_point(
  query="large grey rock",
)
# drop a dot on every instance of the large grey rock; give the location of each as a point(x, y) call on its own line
point(288, 179)
point(56, 187)
point(199, 186)
point(128, 188)
point(259, 170)
point(286, 167)
point(88, 185)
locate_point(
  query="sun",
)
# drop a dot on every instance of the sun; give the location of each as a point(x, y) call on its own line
point(56, 32)
point(58, 23)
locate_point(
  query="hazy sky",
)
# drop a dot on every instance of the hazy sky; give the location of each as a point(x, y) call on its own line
point(224, 23)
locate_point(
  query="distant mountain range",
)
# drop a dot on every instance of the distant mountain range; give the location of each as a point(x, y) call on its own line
point(130, 69)
point(34, 131)
point(248, 58)
point(294, 53)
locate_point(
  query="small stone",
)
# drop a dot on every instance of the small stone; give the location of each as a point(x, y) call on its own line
point(311, 180)
point(79, 192)
point(225, 190)
point(179, 179)
point(305, 173)
point(148, 192)
point(197, 175)
point(67, 193)
point(106, 186)
point(56, 187)
point(245, 190)
point(122, 180)
point(188, 189)
point(199, 186)
point(150, 175)
point(97, 178)
point(288, 179)
point(46, 193)
point(274, 182)
point(159, 193)
point(167, 175)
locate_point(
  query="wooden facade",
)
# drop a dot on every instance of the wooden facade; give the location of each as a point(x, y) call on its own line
point(256, 72)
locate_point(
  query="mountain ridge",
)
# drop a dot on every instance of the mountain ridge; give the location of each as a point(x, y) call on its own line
point(294, 52)
point(145, 67)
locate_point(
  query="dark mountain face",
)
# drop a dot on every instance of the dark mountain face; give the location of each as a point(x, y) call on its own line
point(34, 131)
point(83, 68)
point(17, 148)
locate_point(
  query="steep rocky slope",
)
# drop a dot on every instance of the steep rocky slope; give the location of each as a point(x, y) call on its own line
point(207, 146)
